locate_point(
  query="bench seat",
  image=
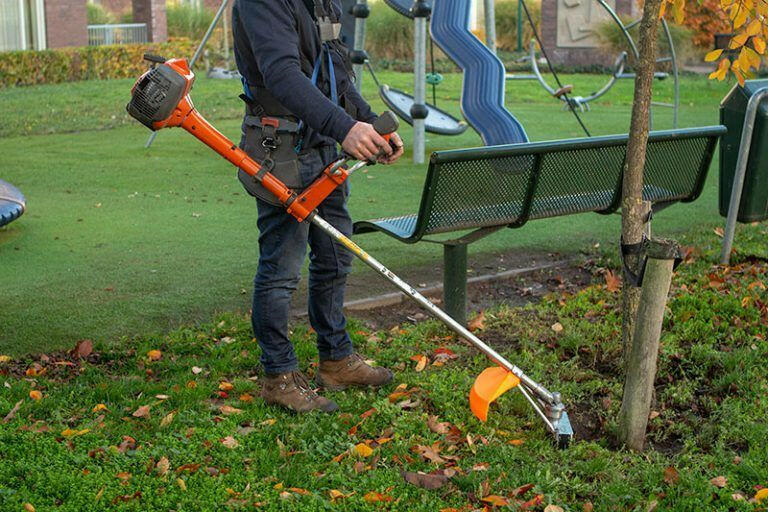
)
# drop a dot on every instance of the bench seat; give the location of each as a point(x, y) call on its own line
point(489, 188)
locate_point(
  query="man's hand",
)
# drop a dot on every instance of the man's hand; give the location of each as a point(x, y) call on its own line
point(363, 143)
point(397, 145)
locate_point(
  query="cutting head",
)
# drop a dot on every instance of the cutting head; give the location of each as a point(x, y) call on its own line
point(490, 385)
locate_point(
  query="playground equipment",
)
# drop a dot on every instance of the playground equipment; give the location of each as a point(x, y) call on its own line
point(414, 110)
point(482, 95)
point(743, 159)
point(12, 203)
point(160, 99)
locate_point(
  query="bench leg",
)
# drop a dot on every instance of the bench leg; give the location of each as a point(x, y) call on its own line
point(455, 281)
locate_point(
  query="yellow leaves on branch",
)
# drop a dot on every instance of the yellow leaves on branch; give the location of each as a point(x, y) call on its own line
point(750, 26)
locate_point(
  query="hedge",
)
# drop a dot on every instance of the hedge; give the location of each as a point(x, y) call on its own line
point(30, 67)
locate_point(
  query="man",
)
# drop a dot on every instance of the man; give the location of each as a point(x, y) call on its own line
point(301, 102)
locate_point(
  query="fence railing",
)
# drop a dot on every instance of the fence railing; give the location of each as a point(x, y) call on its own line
point(123, 33)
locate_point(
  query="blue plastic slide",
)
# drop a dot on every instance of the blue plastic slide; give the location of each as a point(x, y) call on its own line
point(482, 95)
point(12, 203)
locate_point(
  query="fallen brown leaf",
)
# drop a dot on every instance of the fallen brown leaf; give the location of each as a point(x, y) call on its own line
point(167, 419)
point(719, 481)
point(374, 497)
point(141, 412)
point(553, 508)
point(35, 395)
point(83, 348)
point(230, 442)
point(477, 323)
point(424, 480)
point(12, 413)
point(612, 281)
point(671, 476)
point(495, 500)
point(162, 466)
point(421, 364)
point(436, 426)
point(154, 355)
point(228, 410)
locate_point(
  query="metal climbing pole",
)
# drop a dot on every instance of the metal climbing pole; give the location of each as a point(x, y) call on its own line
point(360, 11)
point(490, 25)
point(421, 11)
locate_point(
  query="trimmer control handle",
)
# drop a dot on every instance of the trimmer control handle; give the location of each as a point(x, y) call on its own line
point(154, 58)
point(386, 123)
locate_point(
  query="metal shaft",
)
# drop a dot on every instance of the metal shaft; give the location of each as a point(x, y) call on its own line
point(359, 46)
point(419, 87)
point(741, 172)
point(539, 390)
point(490, 25)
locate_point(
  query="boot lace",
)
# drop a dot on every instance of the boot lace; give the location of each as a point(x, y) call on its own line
point(302, 385)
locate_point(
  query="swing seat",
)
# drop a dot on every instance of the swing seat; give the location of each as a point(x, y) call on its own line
point(437, 121)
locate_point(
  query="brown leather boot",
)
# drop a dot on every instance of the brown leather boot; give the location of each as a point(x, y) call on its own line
point(351, 371)
point(292, 391)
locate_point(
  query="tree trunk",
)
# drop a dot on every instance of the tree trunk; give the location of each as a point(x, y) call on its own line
point(633, 213)
point(644, 353)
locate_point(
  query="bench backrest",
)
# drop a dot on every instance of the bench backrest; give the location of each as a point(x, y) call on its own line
point(511, 184)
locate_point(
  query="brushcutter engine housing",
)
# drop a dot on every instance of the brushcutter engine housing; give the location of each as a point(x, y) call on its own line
point(159, 97)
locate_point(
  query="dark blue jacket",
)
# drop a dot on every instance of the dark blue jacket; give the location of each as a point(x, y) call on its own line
point(276, 46)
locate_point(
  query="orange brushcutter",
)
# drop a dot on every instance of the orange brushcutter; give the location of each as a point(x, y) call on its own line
point(160, 99)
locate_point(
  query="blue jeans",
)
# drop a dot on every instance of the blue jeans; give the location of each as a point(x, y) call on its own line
point(282, 248)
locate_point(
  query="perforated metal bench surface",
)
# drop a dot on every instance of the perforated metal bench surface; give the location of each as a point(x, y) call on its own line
point(509, 185)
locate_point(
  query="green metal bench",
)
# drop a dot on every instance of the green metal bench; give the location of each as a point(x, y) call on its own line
point(486, 189)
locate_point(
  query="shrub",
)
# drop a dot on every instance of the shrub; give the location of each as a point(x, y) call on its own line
point(184, 20)
point(506, 23)
point(83, 63)
point(388, 35)
point(98, 15)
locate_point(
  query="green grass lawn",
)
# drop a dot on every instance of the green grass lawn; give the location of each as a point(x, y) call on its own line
point(129, 429)
point(120, 241)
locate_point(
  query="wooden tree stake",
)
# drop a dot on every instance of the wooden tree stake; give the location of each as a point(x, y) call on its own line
point(644, 353)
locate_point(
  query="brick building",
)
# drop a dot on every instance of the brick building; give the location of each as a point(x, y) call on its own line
point(41, 24)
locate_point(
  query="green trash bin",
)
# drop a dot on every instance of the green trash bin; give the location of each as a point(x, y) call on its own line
point(754, 198)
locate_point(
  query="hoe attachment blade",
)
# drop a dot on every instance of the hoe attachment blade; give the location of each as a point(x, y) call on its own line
point(490, 385)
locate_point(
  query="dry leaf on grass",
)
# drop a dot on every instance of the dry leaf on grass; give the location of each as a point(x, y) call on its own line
point(495, 500)
point(425, 480)
point(5, 359)
point(477, 323)
point(35, 395)
point(154, 355)
point(197, 370)
point(421, 363)
point(431, 453)
point(83, 348)
point(719, 481)
point(374, 497)
point(553, 508)
point(99, 407)
point(162, 466)
point(671, 476)
point(141, 412)
point(167, 419)
point(12, 413)
point(612, 281)
point(363, 450)
point(226, 386)
point(438, 427)
point(227, 410)
point(557, 327)
point(230, 442)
